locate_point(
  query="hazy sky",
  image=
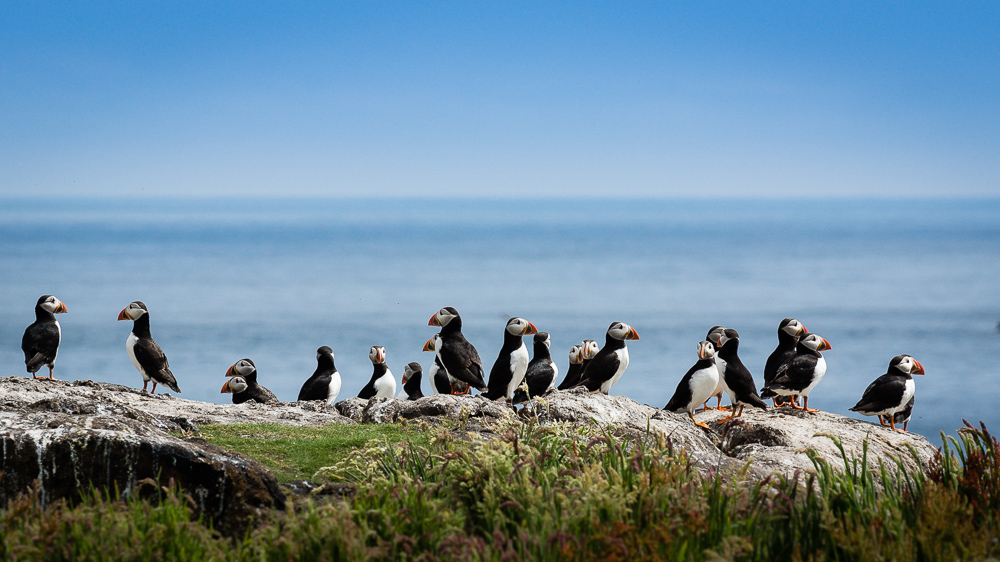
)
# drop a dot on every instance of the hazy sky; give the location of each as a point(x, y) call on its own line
point(500, 99)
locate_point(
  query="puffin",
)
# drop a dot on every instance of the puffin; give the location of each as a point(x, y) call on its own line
point(712, 337)
point(40, 342)
point(324, 384)
point(441, 382)
point(610, 362)
point(736, 378)
point(575, 368)
point(512, 362)
point(542, 371)
point(891, 392)
point(458, 357)
point(697, 384)
point(411, 380)
point(789, 332)
point(590, 349)
point(802, 373)
point(146, 355)
point(382, 383)
point(242, 384)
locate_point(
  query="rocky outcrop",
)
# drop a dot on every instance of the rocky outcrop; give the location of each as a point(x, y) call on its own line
point(68, 436)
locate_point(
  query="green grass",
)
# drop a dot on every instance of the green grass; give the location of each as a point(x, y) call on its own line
point(296, 453)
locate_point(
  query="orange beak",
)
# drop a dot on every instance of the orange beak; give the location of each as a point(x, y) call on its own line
point(825, 345)
point(231, 372)
point(919, 370)
point(123, 315)
point(632, 334)
point(225, 387)
point(803, 331)
point(406, 377)
point(531, 329)
point(702, 351)
point(434, 321)
point(429, 346)
point(61, 308)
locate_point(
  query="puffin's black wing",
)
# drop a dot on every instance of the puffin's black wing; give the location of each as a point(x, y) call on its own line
point(682, 395)
point(262, 395)
point(154, 362)
point(740, 382)
point(40, 344)
point(540, 376)
point(572, 376)
point(795, 374)
point(463, 363)
point(316, 387)
point(369, 390)
point(884, 392)
point(602, 367)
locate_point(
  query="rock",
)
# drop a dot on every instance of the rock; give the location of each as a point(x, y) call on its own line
point(64, 455)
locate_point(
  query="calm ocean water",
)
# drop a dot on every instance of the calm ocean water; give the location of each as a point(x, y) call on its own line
point(274, 280)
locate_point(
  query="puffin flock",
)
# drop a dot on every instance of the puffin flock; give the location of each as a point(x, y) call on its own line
point(791, 373)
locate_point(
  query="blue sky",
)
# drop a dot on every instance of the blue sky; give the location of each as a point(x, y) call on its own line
point(502, 99)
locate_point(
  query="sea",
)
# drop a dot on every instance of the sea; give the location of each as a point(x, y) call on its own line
point(274, 279)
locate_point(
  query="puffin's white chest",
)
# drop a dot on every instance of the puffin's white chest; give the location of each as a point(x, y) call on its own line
point(518, 366)
point(334, 388)
point(622, 364)
point(908, 392)
point(385, 386)
point(58, 340)
point(818, 374)
point(432, 378)
point(721, 364)
point(703, 384)
point(130, 347)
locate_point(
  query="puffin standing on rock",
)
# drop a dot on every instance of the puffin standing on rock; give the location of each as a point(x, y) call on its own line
point(800, 375)
point(611, 361)
point(575, 368)
point(382, 383)
point(736, 378)
point(242, 384)
point(40, 342)
point(542, 371)
point(325, 382)
point(512, 362)
point(892, 392)
point(712, 337)
point(697, 385)
point(437, 376)
point(458, 357)
point(146, 355)
point(789, 332)
point(411, 381)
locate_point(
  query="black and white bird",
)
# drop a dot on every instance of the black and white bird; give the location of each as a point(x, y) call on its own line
point(891, 392)
point(589, 351)
point(412, 374)
point(610, 362)
point(459, 357)
point(440, 381)
point(802, 373)
point(40, 342)
point(575, 369)
point(736, 378)
point(542, 371)
point(325, 382)
point(146, 355)
point(243, 385)
point(697, 384)
point(713, 336)
point(382, 383)
point(512, 362)
point(789, 332)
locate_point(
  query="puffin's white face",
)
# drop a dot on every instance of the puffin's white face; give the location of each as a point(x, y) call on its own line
point(590, 349)
point(622, 331)
point(815, 343)
point(377, 354)
point(133, 311)
point(520, 327)
point(241, 368)
point(442, 318)
point(706, 350)
point(907, 365)
point(794, 328)
point(53, 305)
point(575, 355)
point(234, 385)
point(407, 373)
point(434, 343)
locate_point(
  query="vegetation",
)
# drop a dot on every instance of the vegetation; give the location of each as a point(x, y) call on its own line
point(553, 493)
